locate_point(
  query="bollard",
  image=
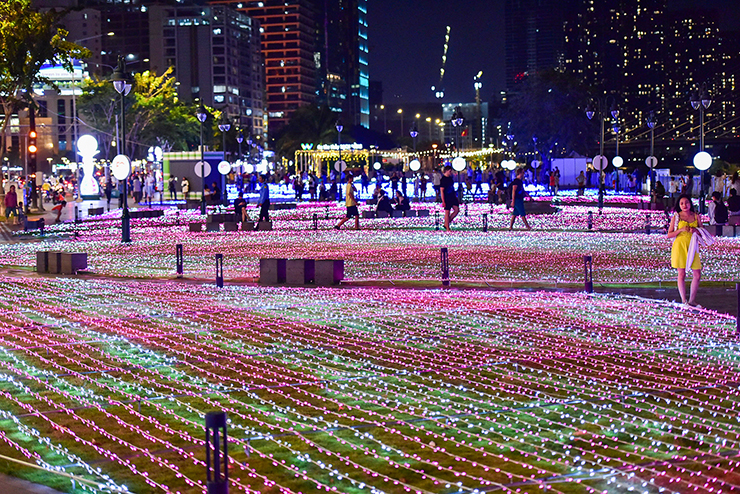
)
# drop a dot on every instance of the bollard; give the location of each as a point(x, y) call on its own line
point(491, 203)
point(178, 255)
point(217, 460)
point(220, 270)
point(315, 221)
point(647, 223)
point(77, 214)
point(177, 218)
point(445, 267)
point(588, 274)
point(466, 209)
point(590, 220)
point(485, 222)
point(327, 212)
point(436, 220)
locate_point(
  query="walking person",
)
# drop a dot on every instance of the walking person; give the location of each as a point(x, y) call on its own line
point(351, 203)
point(683, 225)
point(450, 203)
point(517, 200)
point(264, 200)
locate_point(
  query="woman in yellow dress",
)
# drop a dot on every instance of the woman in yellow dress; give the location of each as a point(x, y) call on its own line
point(683, 225)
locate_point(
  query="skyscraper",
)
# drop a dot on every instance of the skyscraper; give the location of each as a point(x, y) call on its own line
point(534, 38)
point(315, 52)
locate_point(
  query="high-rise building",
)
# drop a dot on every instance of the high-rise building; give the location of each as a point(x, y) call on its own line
point(344, 81)
point(533, 38)
point(217, 58)
point(315, 52)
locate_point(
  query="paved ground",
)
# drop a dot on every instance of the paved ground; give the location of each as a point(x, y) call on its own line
point(12, 485)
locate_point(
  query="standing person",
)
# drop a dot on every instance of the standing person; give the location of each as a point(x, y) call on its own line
point(136, 189)
point(735, 183)
point(436, 178)
point(478, 182)
point(149, 188)
point(185, 186)
point(11, 203)
point(581, 180)
point(364, 183)
point(423, 187)
point(312, 186)
point(552, 183)
point(172, 187)
point(264, 199)
point(450, 203)
point(672, 188)
point(683, 225)
point(351, 203)
point(517, 199)
point(108, 190)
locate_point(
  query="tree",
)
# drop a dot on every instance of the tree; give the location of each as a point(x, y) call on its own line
point(28, 39)
point(550, 106)
point(309, 123)
point(154, 115)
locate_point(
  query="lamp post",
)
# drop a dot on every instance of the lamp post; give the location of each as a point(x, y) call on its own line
point(617, 161)
point(601, 110)
point(385, 120)
point(339, 128)
point(700, 100)
point(413, 133)
point(202, 115)
point(224, 127)
point(457, 121)
point(240, 139)
point(400, 114)
point(651, 160)
point(122, 86)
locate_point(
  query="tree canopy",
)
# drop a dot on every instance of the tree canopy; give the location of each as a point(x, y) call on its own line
point(549, 106)
point(154, 115)
point(28, 39)
point(307, 124)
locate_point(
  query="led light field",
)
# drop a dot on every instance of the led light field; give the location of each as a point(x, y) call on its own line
point(368, 390)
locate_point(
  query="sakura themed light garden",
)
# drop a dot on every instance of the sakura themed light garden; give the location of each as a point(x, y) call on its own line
point(366, 389)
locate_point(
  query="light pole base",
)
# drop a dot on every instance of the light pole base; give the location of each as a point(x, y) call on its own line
point(203, 207)
point(125, 227)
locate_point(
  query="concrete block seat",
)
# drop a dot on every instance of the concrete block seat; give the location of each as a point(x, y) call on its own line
point(328, 272)
point(95, 211)
point(272, 271)
point(299, 271)
point(195, 227)
point(38, 224)
point(539, 207)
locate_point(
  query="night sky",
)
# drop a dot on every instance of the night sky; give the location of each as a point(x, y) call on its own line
point(406, 40)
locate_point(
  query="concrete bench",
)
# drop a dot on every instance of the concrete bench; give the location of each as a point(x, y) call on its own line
point(539, 207)
point(38, 224)
point(213, 227)
point(733, 220)
point(411, 213)
point(422, 213)
point(282, 205)
point(247, 226)
point(328, 272)
point(95, 211)
point(195, 227)
point(73, 262)
point(146, 213)
point(397, 214)
point(299, 271)
point(381, 214)
point(231, 226)
point(220, 217)
point(272, 271)
point(264, 226)
point(57, 262)
point(368, 214)
point(729, 231)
